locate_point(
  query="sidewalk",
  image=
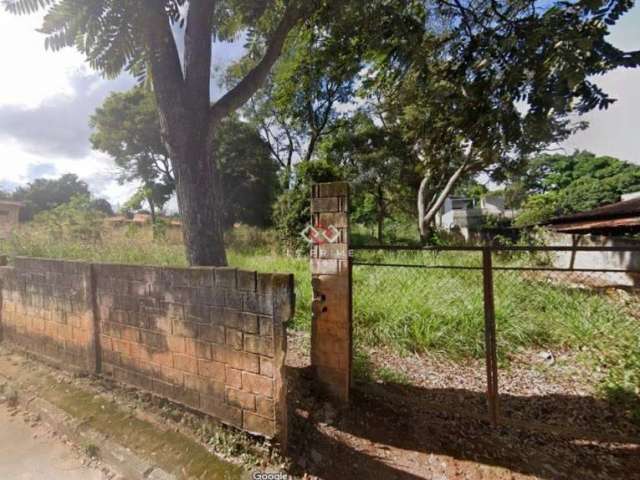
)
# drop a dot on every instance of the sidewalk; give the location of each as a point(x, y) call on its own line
point(32, 452)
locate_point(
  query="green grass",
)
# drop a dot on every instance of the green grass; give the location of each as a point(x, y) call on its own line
point(424, 310)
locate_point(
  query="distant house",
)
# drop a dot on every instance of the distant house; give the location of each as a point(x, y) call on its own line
point(9, 217)
point(142, 218)
point(467, 215)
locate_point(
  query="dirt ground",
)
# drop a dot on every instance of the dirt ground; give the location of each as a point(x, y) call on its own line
point(29, 450)
point(434, 425)
point(429, 421)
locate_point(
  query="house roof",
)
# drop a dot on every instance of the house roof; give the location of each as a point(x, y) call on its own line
point(620, 216)
point(10, 203)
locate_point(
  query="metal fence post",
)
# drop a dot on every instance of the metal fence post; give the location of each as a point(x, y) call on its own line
point(490, 335)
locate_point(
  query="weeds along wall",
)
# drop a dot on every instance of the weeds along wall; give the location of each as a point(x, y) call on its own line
point(212, 339)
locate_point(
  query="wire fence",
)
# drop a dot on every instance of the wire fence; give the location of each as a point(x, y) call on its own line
point(496, 301)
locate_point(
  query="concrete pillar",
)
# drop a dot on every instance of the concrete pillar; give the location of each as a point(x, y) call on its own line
point(331, 333)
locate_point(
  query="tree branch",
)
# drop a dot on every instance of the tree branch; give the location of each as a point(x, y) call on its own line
point(197, 50)
point(238, 95)
point(162, 53)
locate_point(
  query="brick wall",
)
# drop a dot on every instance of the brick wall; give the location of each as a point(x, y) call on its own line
point(47, 309)
point(212, 339)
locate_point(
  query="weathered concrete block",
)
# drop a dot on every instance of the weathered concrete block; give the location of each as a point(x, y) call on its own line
point(210, 338)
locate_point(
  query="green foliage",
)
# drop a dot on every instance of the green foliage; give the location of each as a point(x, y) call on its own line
point(249, 174)
point(495, 221)
point(44, 194)
point(537, 209)
point(292, 210)
point(127, 128)
point(564, 184)
point(381, 167)
point(102, 205)
point(469, 187)
point(74, 220)
point(453, 78)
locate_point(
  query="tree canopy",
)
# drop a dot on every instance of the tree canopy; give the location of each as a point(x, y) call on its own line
point(426, 93)
point(562, 184)
point(249, 174)
point(45, 194)
point(169, 42)
point(127, 128)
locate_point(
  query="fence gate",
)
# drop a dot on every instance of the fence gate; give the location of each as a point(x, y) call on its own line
point(432, 299)
point(474, 302)
point(463, 300)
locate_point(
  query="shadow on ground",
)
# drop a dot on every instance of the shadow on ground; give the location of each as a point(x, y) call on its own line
point(405, 432)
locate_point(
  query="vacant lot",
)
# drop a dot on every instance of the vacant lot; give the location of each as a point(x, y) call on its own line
point(408, 310)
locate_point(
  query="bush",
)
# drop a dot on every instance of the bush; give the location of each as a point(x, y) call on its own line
point(538, 209)
point(292, 212)
point(75, 220)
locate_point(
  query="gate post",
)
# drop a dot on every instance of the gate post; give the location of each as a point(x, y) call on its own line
point(331, 331)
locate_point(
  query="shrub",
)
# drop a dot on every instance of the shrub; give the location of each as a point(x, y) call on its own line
point(75, 220)
point(292, 212)
point(538, 209)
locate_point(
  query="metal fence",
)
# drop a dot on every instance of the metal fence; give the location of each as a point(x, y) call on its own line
point(474, 301)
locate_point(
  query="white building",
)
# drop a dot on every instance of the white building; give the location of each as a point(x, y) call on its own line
point(467, 215)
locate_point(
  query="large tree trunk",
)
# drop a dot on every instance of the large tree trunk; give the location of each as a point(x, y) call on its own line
point(188, 119)
point(200, 202)
point(426, 219)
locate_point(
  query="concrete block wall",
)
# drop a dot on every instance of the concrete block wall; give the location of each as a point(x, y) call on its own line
point(47, 309)
point(212, 339)
point(331, 327)
point(621, 260)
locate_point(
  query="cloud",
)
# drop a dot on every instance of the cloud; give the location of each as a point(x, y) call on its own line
point(59, 126)
point(38, 170)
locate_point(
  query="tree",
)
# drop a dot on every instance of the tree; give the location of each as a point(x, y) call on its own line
point(45, 194)
point(462, 103)
point(293, 208)
point(249, 173)
point(298, 106)
point(116, 35)
point(478, 86)
point(101, 205)
point(127, 127)
point(77, 219)
point(563, 184)
point(380, 165)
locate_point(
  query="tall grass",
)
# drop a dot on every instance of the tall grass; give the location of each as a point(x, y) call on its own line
point(412, 309)
point(407, 308)
point(443, 309)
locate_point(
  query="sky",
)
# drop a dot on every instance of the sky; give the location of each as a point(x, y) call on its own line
point(46, 100)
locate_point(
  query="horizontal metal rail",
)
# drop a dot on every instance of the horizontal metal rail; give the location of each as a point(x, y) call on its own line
point(494, 248)
point(462, 267)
